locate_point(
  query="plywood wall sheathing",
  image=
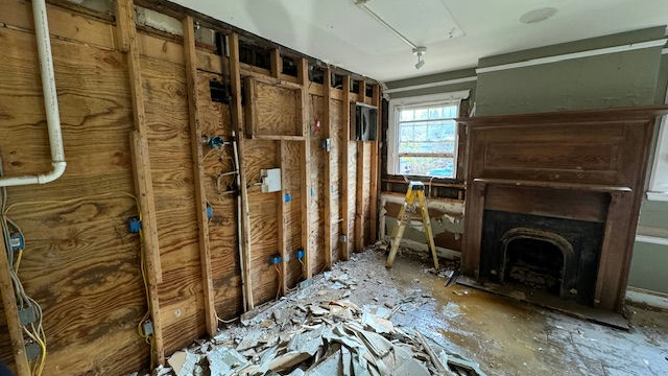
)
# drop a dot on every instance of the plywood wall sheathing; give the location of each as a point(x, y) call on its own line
point(80, 263)
point(266, 121)
point(134, 106)
point(215, 120)
point(318, 158)
point(198, 174)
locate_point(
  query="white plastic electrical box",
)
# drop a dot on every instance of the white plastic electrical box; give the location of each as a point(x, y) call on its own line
point(271, 180)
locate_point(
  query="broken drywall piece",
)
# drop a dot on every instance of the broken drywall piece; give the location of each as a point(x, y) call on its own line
point(317, 310)
point(224, 361)
point(411, 367)
point(288, 360)
point(377, 324)
point(183, 363)
point(307, 342)
point(250, 340)
point(330, 366)
point(297, 372)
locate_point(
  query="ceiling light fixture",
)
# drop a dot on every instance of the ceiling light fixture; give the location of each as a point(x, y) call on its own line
point(417, 50)
point(538, 15)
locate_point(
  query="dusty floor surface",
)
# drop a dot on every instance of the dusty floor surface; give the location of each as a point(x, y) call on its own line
point(506, 337)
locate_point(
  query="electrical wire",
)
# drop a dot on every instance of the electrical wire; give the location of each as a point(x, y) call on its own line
point(35, 333)
point(279, 274)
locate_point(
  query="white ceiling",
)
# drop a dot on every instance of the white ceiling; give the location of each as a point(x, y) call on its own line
point(456, 32)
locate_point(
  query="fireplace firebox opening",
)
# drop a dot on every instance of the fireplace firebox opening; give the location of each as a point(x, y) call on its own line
point(535, 258)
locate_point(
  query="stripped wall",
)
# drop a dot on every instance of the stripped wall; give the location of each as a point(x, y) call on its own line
point(81, 264)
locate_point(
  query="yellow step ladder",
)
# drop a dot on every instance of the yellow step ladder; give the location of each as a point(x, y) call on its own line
point(415, 190)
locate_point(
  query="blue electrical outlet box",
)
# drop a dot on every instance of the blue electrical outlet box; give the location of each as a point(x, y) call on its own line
point(288, 198)
point(216, 142)
point(17, 242)
point(209, 211)
point(300, 253)
point(134, 225)
point(275, 259)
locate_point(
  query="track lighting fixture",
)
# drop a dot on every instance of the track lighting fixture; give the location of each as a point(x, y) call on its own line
point(419, 52)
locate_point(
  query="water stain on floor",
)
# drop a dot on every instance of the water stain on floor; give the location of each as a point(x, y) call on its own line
point(507, 337)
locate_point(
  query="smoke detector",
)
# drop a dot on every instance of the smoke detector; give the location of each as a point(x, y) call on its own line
point(538, 15)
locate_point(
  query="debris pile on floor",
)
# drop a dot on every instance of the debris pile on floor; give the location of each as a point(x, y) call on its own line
point(332, 338)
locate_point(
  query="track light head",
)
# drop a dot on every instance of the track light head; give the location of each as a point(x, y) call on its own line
point(419, 52)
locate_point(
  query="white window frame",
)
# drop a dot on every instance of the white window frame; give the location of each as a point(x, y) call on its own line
point(444, 99)
point(658, 181)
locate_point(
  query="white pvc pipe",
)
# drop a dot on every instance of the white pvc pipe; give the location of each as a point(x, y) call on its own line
point(50, 104)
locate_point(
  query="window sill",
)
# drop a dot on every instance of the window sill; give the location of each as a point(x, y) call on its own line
point(657, 196)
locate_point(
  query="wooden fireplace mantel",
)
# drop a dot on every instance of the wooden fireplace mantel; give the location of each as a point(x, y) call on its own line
point(588, 165)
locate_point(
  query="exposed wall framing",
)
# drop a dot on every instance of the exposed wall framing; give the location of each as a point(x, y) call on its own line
point(136, 105)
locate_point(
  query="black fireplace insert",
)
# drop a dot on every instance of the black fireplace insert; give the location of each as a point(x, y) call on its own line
point(558, 255)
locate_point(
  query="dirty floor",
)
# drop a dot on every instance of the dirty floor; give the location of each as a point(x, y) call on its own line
point(506, 337)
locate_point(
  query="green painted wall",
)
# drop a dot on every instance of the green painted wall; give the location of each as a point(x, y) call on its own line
point(604, 81)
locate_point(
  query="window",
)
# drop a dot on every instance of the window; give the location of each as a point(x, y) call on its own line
point(423, 135)
point(658, 182)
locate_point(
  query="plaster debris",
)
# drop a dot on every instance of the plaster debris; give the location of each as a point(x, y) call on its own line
point(318, 332)
point(183, 363)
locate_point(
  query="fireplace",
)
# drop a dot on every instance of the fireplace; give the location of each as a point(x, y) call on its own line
point(557, 255)
point(552, 201)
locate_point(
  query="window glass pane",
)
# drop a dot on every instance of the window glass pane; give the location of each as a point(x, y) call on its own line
point(428, 166)
point(405, 132)
point(435, 113)
point(426, 147)
point(421, 114)
point(450, 112)
point(442, 130)
point(420, 130)
point(406, 115)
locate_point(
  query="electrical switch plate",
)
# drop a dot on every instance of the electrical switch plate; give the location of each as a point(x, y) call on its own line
point(271, 180)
